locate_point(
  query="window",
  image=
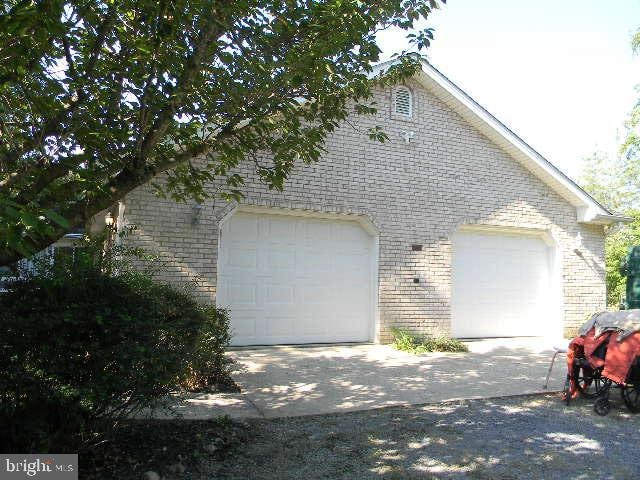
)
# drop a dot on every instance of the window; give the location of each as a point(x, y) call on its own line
point(63, 250)
point(7, 275)
point(64, 254)
point(403, 102)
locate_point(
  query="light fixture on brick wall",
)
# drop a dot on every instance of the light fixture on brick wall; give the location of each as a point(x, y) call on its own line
point(196, 213)
point(408, 136)
point(578, 249)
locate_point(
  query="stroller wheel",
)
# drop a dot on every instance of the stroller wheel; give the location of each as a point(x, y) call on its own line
point(602, 406)
point(588, 381)
point(631, 397)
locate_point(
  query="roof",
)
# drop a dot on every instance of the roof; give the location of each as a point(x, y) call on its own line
point(588, 210)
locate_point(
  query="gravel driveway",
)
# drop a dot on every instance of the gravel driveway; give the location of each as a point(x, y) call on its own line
point(507, 438)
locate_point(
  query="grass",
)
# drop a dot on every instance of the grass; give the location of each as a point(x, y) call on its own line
point(414, 343)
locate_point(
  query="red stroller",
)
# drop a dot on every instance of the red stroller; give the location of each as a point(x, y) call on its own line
point(605, 354)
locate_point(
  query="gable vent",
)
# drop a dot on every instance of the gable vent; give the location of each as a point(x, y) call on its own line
point(403, 103)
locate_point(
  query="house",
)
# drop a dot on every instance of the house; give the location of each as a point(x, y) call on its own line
point(455, 226)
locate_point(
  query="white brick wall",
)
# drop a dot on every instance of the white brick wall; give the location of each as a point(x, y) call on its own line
point(416, 193)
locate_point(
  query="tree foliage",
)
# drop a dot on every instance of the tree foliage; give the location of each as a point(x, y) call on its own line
point(612, 183)
point(608, 181)
point(99, 96)
point(630, 148)
point(635, 41)
point(616, 184)
point(616, 249)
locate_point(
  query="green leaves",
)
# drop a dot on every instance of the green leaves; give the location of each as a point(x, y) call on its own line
point(56, 217)
point(635, 42)
point(616, 184)
point(611, 182)
point(99, 97)
point(616, 248)
point(108, 347)
point(377, 133)
point(408, 341)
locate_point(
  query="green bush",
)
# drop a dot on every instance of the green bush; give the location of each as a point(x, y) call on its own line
point(617, 246)
point(414, 343)
point(208, 367)
point(85, 345)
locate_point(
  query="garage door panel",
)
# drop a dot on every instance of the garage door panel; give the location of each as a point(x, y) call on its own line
point(316, 294)
point(352, 233)
point(352, 264)
point(279, 325)
point(501, 285)
point(242, 257)
point(316, 230)
point(245, 227)
point(279, 295)
point(241, 294)
point(280, 258)
point(310, 326)
point(281, 229)
point(313, 262)
point(310, 279)
point(244, 324)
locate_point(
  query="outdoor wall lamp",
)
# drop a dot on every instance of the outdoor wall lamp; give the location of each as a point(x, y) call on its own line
point(196, 213)
point(109, 220)
point(408, 136)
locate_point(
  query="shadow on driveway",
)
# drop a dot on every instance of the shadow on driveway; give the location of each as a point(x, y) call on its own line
point(291, 381)
point(507, 438)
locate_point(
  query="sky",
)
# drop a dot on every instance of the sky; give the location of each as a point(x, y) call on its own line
point(560, 74)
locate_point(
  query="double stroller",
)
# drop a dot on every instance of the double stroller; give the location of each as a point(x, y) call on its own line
point(606, 354)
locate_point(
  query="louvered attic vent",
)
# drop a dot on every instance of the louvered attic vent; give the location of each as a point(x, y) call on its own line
point(403, 104)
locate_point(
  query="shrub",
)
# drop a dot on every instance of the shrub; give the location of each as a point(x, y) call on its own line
point(208, 367)
point(414, 343)
point(84, 346)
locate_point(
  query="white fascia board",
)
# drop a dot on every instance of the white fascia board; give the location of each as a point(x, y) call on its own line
point(588, 210)
point(609, 219)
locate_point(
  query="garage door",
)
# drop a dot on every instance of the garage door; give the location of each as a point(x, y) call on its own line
point(292, 279)
point(502, 286)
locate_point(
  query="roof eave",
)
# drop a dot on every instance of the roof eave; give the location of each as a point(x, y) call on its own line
point(608, 219)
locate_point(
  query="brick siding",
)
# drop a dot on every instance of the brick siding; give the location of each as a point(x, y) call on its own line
point(415, 193)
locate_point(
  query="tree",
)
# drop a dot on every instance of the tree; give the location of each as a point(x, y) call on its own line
point(616, 184)
point(607, 181)
point(99, 97)
point(616, 248)
point(635, 41)
point(630, 148)
point(612, 183)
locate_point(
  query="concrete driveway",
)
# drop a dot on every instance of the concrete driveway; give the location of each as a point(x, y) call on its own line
point(291, 381)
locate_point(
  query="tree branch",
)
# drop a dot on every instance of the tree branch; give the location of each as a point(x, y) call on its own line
point(50, 126)
point(212, 30)
point(103, 29)
point(69, 58)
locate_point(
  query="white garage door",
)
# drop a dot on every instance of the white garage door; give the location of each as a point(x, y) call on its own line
point(502, 286)
point(292, 279)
